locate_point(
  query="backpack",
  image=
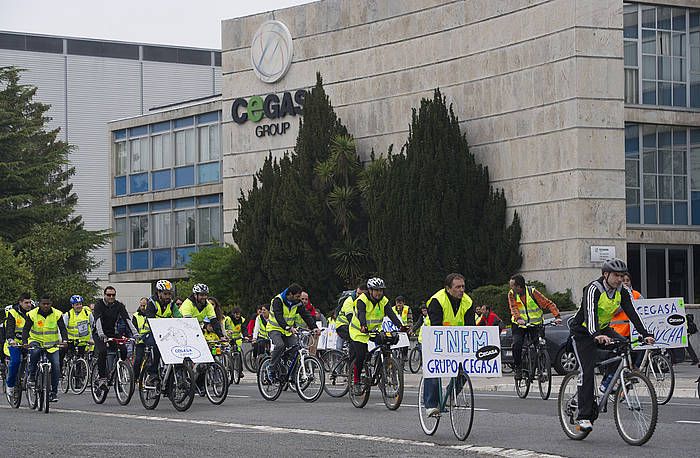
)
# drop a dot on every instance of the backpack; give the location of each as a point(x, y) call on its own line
point(692, 327)
point(344, 295)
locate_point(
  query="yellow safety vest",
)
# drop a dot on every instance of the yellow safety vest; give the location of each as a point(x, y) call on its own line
point(530, 311)
point(348, 308)
point(448, 316)
point(289, 314)
point(189, 310)
point(404, 314)
point(19, 325)
point(426, 322)
point(45, 329)
point(262, 327)
point(235, 329)
point(79, 325)
point(374, 315)
point(161, 312)
point(142, 324)
point(606, 306)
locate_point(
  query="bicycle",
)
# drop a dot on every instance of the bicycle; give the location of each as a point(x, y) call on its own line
point(381, 369)
point(659, 370)
point(631, 392)
point(252, 361)
point(120, 374)
point(235, 363)
point(39, 394)
point(75, 371)
point(458, 398)
point(296, 369)
point(176, 381)
point(415, 359)
point(338, 365)
point(15, 400)
point(215, 381)
point(534, 363)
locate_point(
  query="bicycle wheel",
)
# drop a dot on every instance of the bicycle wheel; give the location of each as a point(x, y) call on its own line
point(636, 410)
point(330, 358)
point(391, 384)
point(462, 407)
point(249, 361)
point(568, 407)
point(215, 383)
point(428, 424)
point(78, 376)
point(237, 367)
point(660, 373)
point(32, 397)
point(46, 388)
point(181, 386)
point(336, 385)
point(124, 382)
point(310, 379)
point(359, 392)
point(64, 380)
point(269, 389)
point(415, 360)
point(522, 384)
point(544, 374)
point(99, 392)
point(149, 394)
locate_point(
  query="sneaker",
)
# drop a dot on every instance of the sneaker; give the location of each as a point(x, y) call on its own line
point(433, 412)
point(271, 376)
point(53, 397)
point(518, 373)
point(31, 384)
point(10, 391)
point(357, 389)
point(101, 382)
point(241, 375)
point(584, 425)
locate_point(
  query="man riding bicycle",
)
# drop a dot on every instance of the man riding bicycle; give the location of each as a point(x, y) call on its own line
point(14, 324)
point(108, 312)
point(77, 321)
point(591, 326)
point(160, 305)
point(450, 306)
point(284, 310)
point(370, 309)
point(345, 314)
point(526, 306)
point(197, 305)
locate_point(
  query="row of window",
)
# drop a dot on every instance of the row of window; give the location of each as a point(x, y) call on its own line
point(662, 55)
point(662, 174)
point(164, 234)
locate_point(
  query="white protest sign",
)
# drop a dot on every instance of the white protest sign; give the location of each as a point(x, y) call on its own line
point(665, 318)
point(476, 348)
point(388, 326)
point(328, 338)
point(178, 338)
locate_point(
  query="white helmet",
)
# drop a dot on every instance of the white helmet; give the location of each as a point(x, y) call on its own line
point(164, 285)
point(200, 288)
point(375, 283)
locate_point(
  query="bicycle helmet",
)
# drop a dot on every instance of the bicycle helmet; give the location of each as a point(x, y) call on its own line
point(74, 299)
point(375, 283)
point(164, 285)
point(200, 288)
point(615, 265)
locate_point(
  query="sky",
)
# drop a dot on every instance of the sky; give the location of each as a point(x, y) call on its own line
point(195, 23)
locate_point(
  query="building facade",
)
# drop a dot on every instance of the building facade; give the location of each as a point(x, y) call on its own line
point(586, 112)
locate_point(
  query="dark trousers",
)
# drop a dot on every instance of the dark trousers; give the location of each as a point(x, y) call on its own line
point(344, 333)
point(281, 343)
point(101, 352)
point(585, 349)
point(432, 387)
point(518, 340)
point(260, 346)
point(79, 350)
point(360, 354)
point(54, 358)
point(691, 353)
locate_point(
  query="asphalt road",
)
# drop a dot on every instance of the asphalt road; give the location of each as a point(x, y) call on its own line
point(247, 425)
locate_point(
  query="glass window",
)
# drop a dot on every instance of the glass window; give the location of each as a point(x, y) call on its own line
point(185, 227)
point(630, 21)
point(184, 147)
point(139, 260)
point(120, 186)
point(209, 147)
point(161, 179)
point(139, 231)
point(161, 230)
point(138, 183)
point(182, 255)
point(161, 259)
point(120, 236)
point(209, 225)
point(139, 154)
point(162, 152)
point(120, 262)
point(184, 176)
point(121, 159)
point(208, 173)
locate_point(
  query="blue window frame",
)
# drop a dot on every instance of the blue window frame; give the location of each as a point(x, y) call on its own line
point(160, 206)
point(138, 131)
point(161, 258)
point(187, 202)
point(208, 173)
point(119, 186)
point(120, 262)
point(184, 122)
point(119, 211)
point(184, 176)
point(138, 208)
point(213, 199)
point(139, 260)
point(138, 183)
point(182, 255)
point(208, 117)
point(120, 134)
point(161, 180)
point(160, 127)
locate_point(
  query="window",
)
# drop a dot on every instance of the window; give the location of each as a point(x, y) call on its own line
point(209, 173)
point(184, 176)
point(209, 147)
point(139, 154)
point(139, 232)
point(161, 230)
point(162, 152)
point(209, 225)
point(161, 180)
point(120, 237)
point(120, 186)
point(121, 159)
point(185, 227)
point(184, 147)
point(138, 183)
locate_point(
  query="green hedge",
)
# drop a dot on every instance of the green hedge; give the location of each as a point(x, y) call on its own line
point(497, 297)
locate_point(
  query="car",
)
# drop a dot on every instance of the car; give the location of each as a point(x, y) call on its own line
point(563, 360)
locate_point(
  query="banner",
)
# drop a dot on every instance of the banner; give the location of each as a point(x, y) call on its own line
point(665, 318)
point(178, 338)
point(388, 326)
point(476, 348)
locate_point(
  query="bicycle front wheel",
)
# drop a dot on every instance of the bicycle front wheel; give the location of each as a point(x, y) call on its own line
point(660, 373)
point(522, 384)
point(181, 386)
point(427, 423)
point(149, 394)
point(392, 383)
point(64, 380)
point(462, 406)
point(46, 388)
point(415, 360)
point(544, 374)
point(124, 383)
point(99, 392)
point(270, 389)
point(636, 410)
point(237, 367)
point(32, 396)
point(250, 361)
point(568, 407)
point(310, 379)
point(337, 376)
point(78, 376)
point(359, 391)
point(215, 383)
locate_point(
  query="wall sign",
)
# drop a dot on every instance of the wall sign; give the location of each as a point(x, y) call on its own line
point(602, 253)
point(273, 107)
point(271, 51)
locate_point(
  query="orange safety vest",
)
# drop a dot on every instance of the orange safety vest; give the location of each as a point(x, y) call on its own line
point(620, 321)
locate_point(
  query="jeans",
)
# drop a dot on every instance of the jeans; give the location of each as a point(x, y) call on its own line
point(54, 358)
point(432, 387)
point(13, 368)
point(281, 343)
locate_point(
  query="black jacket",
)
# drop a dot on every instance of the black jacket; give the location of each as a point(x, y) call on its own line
point(106, 317)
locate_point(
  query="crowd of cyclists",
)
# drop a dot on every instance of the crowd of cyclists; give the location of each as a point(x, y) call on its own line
point(357, 320)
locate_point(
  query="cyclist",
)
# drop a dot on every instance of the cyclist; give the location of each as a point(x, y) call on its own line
point(403, 312)
point(285, 308)
point(197, 305)
point(526, 306)
point(450, 306)
point(345, 314)
point(160, 305)
point(590, 326)
point(108, 313)
point(208, 331)
point(423, 320)
point(260, 336)
point(370, 309)
point(140, 322)
point(233, 326)
point(44, 327)
point(77, 321)
point(14, 324)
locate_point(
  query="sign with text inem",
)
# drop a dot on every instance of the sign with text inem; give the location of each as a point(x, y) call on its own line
point(476, 348)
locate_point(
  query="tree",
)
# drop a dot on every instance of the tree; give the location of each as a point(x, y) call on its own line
point(15, 276)
point(433, 212)
point(36, 199)
point(213, 267)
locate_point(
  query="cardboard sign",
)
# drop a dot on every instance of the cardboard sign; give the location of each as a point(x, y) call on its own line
point(328, 339)
point(178, 338)
point(665, 318)
point(476, 348)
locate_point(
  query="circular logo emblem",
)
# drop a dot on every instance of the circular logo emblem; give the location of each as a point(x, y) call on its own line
point(271, 51)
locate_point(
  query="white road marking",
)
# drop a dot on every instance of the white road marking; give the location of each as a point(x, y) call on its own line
point(495, 451)
point(110, 444)
point(688, 421)
point(237, 396)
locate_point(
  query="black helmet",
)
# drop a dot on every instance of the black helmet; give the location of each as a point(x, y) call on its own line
point(615, 265)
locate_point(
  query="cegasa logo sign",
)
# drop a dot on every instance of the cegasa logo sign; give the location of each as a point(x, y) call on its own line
point(271, 51)
point(272, 106)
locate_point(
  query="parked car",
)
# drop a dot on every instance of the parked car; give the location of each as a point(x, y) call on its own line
point(563, 361)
